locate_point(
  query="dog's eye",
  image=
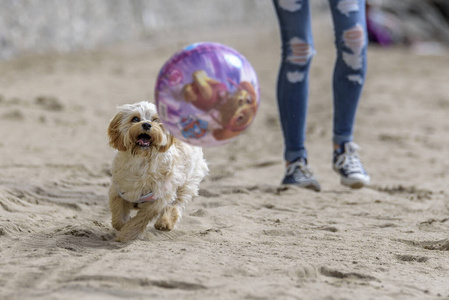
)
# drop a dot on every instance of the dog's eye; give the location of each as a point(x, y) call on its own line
point(135, 120)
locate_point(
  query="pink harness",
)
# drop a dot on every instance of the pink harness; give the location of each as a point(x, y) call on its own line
point(150, 197)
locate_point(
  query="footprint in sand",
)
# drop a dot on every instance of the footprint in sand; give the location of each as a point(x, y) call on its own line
point(199, 213)
point(13, 115)
point(142, 282)
point(415, 193)
point(306, 271)
point(441, 245)
point(412, 258)
point(328, 272)
point(50, 103)
point(207, 193)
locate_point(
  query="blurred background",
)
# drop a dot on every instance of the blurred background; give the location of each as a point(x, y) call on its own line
point(39, 26)
point(420, 24)
point(66, 25)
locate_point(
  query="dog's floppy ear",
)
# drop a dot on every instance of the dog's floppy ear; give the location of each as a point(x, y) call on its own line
point(170, 141)
point(115, 137)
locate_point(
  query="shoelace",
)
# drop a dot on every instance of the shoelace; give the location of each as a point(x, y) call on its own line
point(302, 167)
point(349, 160)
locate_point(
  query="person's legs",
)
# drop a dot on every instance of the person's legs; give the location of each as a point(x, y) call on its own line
point(292, 87)
point(293, 78)
point(350, 66)
point(348, 80)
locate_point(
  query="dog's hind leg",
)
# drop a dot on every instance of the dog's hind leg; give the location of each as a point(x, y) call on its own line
point(119, 210)
point(137, 224)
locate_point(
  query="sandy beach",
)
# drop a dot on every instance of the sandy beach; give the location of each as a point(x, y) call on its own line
point(243, 237)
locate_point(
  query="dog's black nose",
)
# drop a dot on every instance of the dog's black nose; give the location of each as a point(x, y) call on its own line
point(146, 126)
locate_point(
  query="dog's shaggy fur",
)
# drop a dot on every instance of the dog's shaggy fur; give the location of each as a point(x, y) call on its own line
point(149, 159)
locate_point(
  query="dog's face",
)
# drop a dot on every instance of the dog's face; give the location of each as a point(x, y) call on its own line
point(240, 109)
point(137, 128)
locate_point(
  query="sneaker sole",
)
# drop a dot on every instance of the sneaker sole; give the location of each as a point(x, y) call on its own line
point(311, 186)
point(357, 185)
point(354, 184)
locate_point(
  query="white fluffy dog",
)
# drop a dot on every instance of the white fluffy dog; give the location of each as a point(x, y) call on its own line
point(151, 171)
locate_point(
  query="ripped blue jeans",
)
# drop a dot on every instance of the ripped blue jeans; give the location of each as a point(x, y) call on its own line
point(293, 78)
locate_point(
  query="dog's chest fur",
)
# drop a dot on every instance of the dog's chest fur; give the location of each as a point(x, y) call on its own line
point(136, 176)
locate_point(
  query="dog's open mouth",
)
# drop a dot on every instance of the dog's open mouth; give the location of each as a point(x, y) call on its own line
point(143, 140)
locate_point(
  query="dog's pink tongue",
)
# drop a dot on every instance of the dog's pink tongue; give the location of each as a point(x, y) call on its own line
point(144, 142)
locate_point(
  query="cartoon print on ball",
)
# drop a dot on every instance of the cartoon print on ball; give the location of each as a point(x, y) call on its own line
point(208, 94)
point(192, 127)
point(236, 110)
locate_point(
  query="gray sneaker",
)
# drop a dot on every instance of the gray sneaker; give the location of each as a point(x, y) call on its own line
point(299, 174)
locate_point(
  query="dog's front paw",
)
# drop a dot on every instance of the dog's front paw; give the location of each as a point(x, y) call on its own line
point(167, 220)
point(127, 234)
point(164, 224)
point(120, 239)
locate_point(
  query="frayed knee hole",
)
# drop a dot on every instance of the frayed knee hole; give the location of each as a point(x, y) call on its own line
point(301, 52)
point(354, 38)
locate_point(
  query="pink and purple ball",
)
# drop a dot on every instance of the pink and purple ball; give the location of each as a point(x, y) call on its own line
point(207, 94)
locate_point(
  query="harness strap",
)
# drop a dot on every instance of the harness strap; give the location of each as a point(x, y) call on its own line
point(150, 197)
